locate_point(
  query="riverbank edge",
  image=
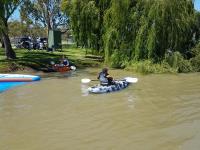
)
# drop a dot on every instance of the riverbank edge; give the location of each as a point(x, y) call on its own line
point(39, 60)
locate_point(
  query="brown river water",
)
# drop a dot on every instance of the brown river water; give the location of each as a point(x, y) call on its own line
point(160, 112)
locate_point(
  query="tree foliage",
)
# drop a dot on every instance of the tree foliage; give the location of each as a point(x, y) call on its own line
point(135, 29)
point(86, 21)
point(18, 29)
point(47, 13)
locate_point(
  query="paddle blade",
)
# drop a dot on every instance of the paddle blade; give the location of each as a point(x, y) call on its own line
point(52, 62)
point(131, 80)
point(72, 67)
point(85, 80)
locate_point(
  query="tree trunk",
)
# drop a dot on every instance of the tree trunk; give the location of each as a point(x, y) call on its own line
point(3, 46)
point(10, 54)
point(2, 43)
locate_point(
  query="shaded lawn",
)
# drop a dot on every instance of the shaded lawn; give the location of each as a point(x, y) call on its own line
point(40, 59)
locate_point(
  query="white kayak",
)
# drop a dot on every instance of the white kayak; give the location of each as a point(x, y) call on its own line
point(98, 89)
point(118, 85)
point(18, 78)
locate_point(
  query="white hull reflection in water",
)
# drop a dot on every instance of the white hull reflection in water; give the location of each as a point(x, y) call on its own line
point(161, 112)
point(84, 89)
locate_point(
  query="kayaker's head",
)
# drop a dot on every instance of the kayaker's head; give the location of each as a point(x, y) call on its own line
point(105, 70)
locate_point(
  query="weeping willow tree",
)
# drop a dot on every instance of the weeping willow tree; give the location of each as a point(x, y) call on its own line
point(86, 20)
point(119, 30)
point(149, 28)
point(72, 8)
point(133, 29)
point(170, 27)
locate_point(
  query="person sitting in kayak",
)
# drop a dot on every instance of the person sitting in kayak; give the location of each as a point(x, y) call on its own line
point(64, 61)
point(63, 66)
point(104, 77)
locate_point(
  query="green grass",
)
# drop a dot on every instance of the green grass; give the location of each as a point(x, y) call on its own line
point(40, 59)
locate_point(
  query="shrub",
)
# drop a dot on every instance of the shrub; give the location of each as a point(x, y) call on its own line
point(148, 67)
point(196, 50)
point(177, 62)
point(118, 59)
point(195, 62)
point(184, 66)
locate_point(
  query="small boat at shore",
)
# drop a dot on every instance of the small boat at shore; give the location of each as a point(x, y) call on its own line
point(62, 68)
point(59, 68)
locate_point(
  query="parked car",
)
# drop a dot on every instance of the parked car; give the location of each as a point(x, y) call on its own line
point(24, 42)
point(44, 43)
point(40, 43)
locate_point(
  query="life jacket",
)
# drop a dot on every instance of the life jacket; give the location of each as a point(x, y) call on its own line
point(102, 77)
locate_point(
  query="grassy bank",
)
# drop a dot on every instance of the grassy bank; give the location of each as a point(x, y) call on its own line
point(40, 59)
